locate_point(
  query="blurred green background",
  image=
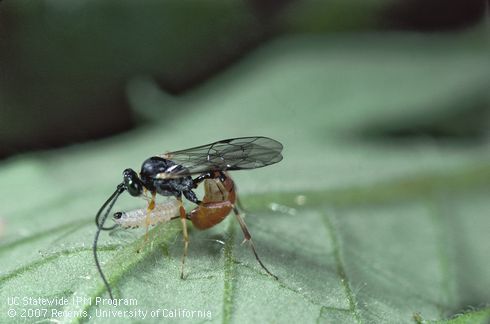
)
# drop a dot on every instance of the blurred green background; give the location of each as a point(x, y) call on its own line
point(379, 211)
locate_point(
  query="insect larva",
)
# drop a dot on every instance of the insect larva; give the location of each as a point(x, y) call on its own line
point(162, 213)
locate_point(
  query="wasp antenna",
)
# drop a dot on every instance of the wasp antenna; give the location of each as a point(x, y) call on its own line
point(100, 226)
point(99, 269)
point(112, 199)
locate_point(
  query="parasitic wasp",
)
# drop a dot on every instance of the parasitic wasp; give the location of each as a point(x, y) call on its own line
point(170, 174)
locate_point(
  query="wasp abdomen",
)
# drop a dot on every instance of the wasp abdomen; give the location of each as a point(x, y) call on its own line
point(219, 198)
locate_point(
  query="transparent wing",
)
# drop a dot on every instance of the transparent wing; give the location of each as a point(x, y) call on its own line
point(230, 154)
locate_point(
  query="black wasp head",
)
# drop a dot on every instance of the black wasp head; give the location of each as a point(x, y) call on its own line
point(132, 182)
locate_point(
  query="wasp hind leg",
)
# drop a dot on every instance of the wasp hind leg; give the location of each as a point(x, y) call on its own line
point(248, 238)
point(183, 218)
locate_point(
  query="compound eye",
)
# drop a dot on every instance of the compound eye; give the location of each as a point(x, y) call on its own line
point(134, 188)
point(117, 215)
point(132, 182)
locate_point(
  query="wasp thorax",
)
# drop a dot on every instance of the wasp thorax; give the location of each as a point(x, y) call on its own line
point(155, 165)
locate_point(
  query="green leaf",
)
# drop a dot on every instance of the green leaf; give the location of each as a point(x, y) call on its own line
point(357, 229)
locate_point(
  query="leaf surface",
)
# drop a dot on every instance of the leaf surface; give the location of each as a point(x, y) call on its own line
point(357, 230)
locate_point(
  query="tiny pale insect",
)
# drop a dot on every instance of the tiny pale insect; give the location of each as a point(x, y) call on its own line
point(162, 213)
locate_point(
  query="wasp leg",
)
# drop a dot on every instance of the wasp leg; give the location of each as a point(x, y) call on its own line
point(240, 205)
point(201, 178)
point(183, 218)
point(248, 238)
point(246, 233)
point(151, 206)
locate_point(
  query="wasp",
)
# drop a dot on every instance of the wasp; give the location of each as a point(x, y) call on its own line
point(171, 175)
